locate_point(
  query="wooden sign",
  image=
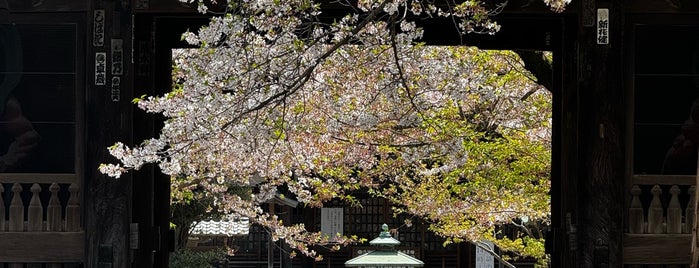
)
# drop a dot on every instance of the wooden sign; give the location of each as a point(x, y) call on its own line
point(133, 236)
point(602, 26)
point(100, 68)
point(116, 88)
point(98, 33)
point(117, 57)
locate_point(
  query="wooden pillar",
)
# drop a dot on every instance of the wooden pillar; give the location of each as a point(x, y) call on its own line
point(54, 218)
point(655, 212)
point(636, 215)
point(107, 106)
point(73, 209)
point(689, 212)
point(674, 212)
point(2, 208)
point(602, 124)
point(16, 215)
point(34, 216)
point(562, 242)
point(142, 214)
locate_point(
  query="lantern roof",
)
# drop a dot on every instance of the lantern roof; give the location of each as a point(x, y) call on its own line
point(384, 238)
point(385, 255)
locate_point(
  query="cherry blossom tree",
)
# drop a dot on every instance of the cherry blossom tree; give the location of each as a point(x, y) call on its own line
point(280, 95)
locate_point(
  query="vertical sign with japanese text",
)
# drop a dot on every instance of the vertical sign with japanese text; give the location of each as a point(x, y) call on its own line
point(331, 221)
point(117, 57)
point(100, 68)
point(483, 258)
point(603, 26)
point(133, 236)
point(98, 31)
point(116, 88)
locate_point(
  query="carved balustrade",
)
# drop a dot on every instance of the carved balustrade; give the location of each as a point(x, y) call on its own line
point(660, 220)
point(40, 220)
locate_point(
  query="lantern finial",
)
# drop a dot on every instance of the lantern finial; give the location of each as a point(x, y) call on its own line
point(384, 231)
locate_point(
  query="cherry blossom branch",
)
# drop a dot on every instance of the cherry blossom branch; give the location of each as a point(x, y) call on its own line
point(306, 75)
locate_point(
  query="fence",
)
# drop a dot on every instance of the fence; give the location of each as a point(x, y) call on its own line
point(41, 224)
point(660, 220)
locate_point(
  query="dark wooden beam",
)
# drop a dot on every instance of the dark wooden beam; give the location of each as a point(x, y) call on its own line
point(657, 248)
point(664, 179)
point(61, 247)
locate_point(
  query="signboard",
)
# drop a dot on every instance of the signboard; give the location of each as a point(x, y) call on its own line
point(603, 26)
point(117, 57)
point(100, 68)
point(331, 221)
point(133, 236)
point(483, 258)
point(98, 33)
point(116, 88)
